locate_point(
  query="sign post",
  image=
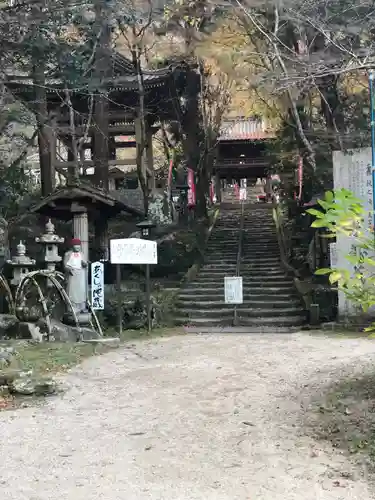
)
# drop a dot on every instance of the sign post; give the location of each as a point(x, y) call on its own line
point(243, 194)
point(135, 251)
point(119, 303)
point(233, 290)
point(97, 286)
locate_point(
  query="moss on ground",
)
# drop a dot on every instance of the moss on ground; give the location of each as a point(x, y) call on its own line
point(53, 357)
point(345, 416)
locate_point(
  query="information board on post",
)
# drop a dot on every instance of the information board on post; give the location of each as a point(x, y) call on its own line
point(243, 194)
point(133, 251)
point(233, 290)
point(97, 286)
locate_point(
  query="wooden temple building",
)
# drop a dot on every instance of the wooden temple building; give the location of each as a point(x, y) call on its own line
point(242, 152)
point(91, 120)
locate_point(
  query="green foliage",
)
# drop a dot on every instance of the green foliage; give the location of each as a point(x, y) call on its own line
point(134, 312)
point(343, 213)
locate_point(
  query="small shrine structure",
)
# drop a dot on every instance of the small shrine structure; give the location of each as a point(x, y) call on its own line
point(91, 118)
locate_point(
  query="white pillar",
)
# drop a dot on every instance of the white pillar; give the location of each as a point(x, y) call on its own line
point(81, 231)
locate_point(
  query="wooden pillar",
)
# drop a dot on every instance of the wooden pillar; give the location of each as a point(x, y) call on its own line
point(53, 151)
point(81, 228)
point(81, 231)
point(218, 187)
point(138, 139)
point(150, 159)
point(101, 105)
point(101, 241)
point(47, 176)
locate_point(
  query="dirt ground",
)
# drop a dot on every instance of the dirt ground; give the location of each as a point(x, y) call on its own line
point(213, 417)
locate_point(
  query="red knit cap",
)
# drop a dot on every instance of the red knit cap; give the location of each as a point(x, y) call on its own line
point(76, 241)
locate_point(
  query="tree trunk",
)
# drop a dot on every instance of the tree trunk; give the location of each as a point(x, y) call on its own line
point(44, 142)
point(141, 137)
point(101, 106)
point(201, 193)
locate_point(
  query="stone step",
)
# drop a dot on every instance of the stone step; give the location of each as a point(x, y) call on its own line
point(257, 286)
point(207, 321)
point(256, 274)
point(223, 312)
point(218, 260)
point(272, 321)
point(249, 304)
point(226, 246)
point(260, 246)
point(246, 280)
point(251, 265)
point(264, 312)
point(250, 255)
point(219, 265)
point(217, 294)
point(261, 259)
point(260, 274)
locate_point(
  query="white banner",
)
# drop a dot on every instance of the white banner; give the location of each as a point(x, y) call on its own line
point(133, 251)
point(97, 286)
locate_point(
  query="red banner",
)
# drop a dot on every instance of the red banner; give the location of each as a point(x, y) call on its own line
point(300, 176)
point(212, 192)
point(191, 191)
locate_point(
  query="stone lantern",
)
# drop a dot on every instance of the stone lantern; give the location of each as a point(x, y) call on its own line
point(21, 264)
point(50, 242)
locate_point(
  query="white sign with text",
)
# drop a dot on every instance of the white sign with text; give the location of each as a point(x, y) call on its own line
point(133, 251)
point(352, 170)
point(97, 286)
point(233, 290)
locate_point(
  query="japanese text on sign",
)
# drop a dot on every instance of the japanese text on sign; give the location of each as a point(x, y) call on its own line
point(233, 290)
point(97, 286)
point(133, 251)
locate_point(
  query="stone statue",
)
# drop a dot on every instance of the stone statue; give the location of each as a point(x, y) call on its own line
point(75, 269)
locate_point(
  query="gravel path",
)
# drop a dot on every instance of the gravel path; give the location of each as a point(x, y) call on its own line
point(184, 418)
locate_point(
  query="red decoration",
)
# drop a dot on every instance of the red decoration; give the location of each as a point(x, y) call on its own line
point(191, 192)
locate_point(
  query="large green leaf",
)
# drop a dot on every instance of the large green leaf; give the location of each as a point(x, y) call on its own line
point(335, 277)
point(314, 211)
point(319, 223)
point(323, 271)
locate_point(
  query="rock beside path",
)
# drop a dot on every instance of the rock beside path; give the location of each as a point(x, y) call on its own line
point(30, 386)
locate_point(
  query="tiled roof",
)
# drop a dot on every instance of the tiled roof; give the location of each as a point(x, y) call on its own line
point(123, 76)
point(235, 130)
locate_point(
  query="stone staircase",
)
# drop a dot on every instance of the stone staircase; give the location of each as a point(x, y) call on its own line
point(270, 299)
point(201, 302)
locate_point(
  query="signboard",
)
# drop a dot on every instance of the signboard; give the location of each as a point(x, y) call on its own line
point(333, 254)
point(352, 170)
point(243, 194)
point(97, 286)
point(133, 251)
point(233, 290)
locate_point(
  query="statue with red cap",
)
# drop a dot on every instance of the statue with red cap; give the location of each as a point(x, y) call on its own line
point(75, 269)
